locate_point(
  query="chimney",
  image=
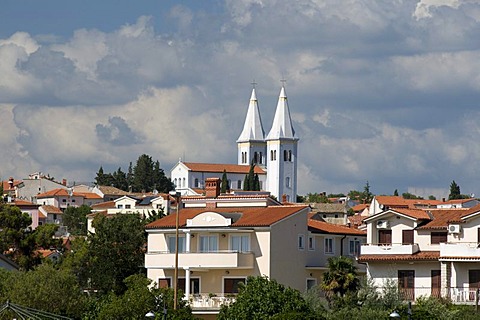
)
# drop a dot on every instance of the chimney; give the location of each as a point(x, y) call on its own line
point(212, 187)
point(284, 198)
point(64, 182)
point(443, 199)
point(10, 183)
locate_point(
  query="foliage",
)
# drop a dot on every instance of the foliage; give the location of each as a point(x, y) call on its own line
point(340, 278)
point(116, 251)
point(432, 197)
point(434, 309)
point(47, 289)
point(225, 186)
point(262, 298)
point(455, 192)
point(77, 260)
point(313, 297)
point(155, 215)
point(336, 195)
point(251, 181)
point(145, 176)
point(75, 219)
point(395, 193)
point(317, 198)
point(367, 195)
point(407, 195)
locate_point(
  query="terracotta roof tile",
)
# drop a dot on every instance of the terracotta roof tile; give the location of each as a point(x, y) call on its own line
point(50, 209)
point(219, 167)
point(108, 190)
point(360, 207)
point(422, 255)
point(53, 193)
point(6, 185)
point(400, 202)
point(325, 227)
point(88, 195)
point(24, 203)
point(250, 217)
point(441, 218)
point(104, 205)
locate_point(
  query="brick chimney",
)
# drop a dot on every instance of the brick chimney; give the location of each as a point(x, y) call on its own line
point(212, 187)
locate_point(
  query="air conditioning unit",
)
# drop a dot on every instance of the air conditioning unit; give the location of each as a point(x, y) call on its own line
point(454, 228)
point(383, 224)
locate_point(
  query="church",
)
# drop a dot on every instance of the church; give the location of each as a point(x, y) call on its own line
point(274, 156)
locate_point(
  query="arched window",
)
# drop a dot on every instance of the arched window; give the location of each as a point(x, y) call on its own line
point(183, 184)
point(271, 155)
point(289, 155)
point(260, 160)
point(285, 155)
point(175, 182)
point(196, 182)
point(255, 157)
point(274, 154)
point(287, 182)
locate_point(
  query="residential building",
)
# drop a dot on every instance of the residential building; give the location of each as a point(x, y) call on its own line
point(224, 238)
point(52, 214)
point(64, 198)
point(108, 193)
point(428, 252)
point(275, 156)
point(38, 183)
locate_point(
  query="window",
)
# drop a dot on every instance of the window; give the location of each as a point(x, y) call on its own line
point(184, 185)
point(171, 244)
point(239, 184)
point(260, 158)
point(128, 206)
point(354, 247)
point(73, 200)
point(271, 154)
point(64, 200)
point(230, 285)
point(435, 276)
point(164, 282)
point(311, 283)
point(385, 237)
point(287, 182)
point(194, 285)
point(208, 243)
point(311, 243)
point(240, 243)
point(301, 241)
point(175, 182)
point(328, 245)
point(407, 236)
point(119, 206)
point(406, 284)
point(290, 155)
point(255, 157)
point(196, 183)
point(438, 237)
point(285, 155)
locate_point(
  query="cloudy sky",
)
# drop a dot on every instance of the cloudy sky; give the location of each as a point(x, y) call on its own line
point(380, 91)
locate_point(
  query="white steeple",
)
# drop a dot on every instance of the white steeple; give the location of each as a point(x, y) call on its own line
point(282, 123)
point(282, 150)
point(252, 129)
point(251, 143)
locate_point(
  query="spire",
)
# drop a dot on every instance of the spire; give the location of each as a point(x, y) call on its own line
point(252, 129)
point(282, 123)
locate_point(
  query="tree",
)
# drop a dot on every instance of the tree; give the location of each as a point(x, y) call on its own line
point(367, 195)
point(340, 278)
point(120, 179)
point(432, 197)
point(225, 186)
point(262, 298)
point(395, 193)
point(116, 250)
point(75, 219)
point(407, 195)
point(48, 289)
point(148, 176)
point(317, 198)
point(256, 183)
point(454, 191)
point(155, 215)
point(103, 179)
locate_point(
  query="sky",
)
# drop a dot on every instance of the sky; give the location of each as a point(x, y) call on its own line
point(381, 91)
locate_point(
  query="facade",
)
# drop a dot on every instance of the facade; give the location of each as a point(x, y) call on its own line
point(64, 198)
point(274, 155)
point(224, 238)
point(428, 252)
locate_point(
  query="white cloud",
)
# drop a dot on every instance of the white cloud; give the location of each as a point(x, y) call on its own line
point(422, 10)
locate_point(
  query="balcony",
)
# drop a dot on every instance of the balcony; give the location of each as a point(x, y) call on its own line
point(460, 249)
point(218, 259)
point(393, 248)
point(209, 301)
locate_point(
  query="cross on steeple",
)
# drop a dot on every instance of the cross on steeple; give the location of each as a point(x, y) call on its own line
point(253, 83)
point(283, 81)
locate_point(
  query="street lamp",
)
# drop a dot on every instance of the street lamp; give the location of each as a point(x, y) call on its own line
point(177, 195)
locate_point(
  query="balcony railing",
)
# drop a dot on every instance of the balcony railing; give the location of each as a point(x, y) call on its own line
point(391, 248)
point(460, 295)
point(216, 259)
point(210, 301)
point(460, 249)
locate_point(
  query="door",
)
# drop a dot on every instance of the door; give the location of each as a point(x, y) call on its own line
point(474, 282)
point(436, 285)
point(194, 285)
point(385, 236)
point(407, 237)
point(406, 284)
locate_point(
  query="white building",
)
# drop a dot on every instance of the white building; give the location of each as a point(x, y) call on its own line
point(429, 252)
point(275, 156)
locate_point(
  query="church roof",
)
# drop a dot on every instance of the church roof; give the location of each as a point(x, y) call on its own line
point(282, 123)
point(253, 128)
point(219, 167)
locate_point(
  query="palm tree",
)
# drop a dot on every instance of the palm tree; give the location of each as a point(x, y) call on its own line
point(341, 276)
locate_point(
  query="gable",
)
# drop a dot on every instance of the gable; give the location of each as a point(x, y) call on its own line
point(209, 219)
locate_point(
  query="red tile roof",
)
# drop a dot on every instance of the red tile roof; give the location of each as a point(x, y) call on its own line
point(53, 193)
point(51, 209)
point(419, 256)
point(414, 213)
point(400, 202)
point(250, 217)
point(6, 185)
point(88, 195)
point(219, 167)
point(325, 227)
point(360, 207)
point(104, 205)
point(24, 203)
point(441, 218)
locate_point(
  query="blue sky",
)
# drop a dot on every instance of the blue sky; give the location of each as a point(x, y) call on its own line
point(381, 91)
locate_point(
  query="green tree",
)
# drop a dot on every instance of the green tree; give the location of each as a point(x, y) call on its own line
point(256, 183)
point(340, 278)
point(395, 193)
point(75, 219)
point(367, 195)
point(120, 179)
point(432, 197)
point(262, 298)
point(78, 260)
point(249, 183)
point(317, 198)
point(116, 250)
point(225, 186)
point(454, 191)
point(48, 289)
point(147, 176)
point(407, 195)
point(246, 183)
point(103, 179)
point(130, 177)
point(155, 215)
